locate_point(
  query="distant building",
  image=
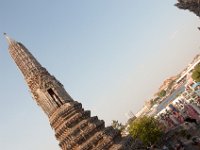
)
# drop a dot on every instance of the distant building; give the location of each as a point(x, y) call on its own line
point(189, 69)
point(131, 117)
point(166, 83)
point(142, 111)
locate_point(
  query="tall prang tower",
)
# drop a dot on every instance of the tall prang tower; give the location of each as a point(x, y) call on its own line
point(74, 128)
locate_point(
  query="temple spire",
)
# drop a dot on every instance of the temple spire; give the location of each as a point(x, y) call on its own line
point(74, 127)
point(42, 84)
point(9, 40)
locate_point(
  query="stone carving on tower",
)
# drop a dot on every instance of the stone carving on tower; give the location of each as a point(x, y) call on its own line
point(191, 5)
point(74, 128)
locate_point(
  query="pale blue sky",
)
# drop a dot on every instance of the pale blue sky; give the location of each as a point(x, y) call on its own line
point(110, 55)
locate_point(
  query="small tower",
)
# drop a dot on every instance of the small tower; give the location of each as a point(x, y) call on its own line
point(74, 128)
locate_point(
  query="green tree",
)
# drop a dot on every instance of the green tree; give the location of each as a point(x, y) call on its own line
point(196, 73)
point(147, 129)
point(117, 125)
point(162, 93)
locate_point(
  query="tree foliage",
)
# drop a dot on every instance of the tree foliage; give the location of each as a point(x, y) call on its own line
point(117, 125)
point(196, 74)
point(162, 93)
point(154, 101)
point(147, 129)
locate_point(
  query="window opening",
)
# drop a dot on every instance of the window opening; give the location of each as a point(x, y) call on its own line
point(54, 97)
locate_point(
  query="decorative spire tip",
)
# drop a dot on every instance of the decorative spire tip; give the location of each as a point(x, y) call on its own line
point(9, 40)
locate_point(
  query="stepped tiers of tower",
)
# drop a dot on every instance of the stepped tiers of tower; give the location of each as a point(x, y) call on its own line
point(191, 5)
point(74, 127)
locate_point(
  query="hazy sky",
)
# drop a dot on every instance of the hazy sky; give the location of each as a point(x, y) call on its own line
point(110, 55)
